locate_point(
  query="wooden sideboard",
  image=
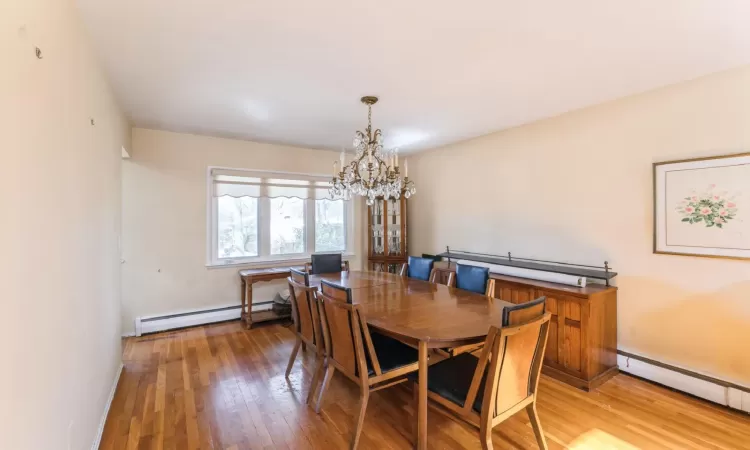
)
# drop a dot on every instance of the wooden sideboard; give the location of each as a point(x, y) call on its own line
point(582, 344)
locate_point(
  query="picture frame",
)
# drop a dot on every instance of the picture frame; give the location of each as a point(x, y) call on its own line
point(702, 207)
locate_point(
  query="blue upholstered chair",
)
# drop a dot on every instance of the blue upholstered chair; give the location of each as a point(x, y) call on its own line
point(472, 278)
point(419, 268)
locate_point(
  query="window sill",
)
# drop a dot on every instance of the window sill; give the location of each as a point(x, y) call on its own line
point(268, 262)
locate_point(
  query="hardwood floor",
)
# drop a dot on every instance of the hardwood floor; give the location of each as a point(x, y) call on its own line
point(223, 387)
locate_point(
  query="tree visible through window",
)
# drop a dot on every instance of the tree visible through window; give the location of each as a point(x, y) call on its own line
point(287, 225)
point(237, 226)
point(330, 228)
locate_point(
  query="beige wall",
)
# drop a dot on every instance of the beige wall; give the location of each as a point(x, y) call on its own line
point(578, 188)
point(60, 227)
point(164, 219)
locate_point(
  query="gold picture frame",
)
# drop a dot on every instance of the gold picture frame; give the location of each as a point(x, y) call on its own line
point(660, 172)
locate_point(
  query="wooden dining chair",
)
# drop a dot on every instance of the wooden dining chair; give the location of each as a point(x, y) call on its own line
point(502, 381)
point(371, 360)
point(326, 263)
point(416, 267)
point(474, 278)
point(442, 275)
point(307, 326)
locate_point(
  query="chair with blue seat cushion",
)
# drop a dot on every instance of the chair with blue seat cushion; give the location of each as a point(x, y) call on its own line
point(472, 278)
point(503, 380)
point(326, 263)
point(373, 361)
point(419, 268)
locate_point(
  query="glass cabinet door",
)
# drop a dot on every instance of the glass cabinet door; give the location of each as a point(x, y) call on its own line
point(378, 229)
point(393, 219)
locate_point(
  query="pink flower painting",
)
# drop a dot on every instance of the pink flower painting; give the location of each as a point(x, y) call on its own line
point(710, 209)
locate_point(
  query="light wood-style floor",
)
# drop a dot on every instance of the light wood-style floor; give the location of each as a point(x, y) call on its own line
point(222, 387)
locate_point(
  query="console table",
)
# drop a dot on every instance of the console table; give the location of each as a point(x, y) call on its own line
point(250, 276)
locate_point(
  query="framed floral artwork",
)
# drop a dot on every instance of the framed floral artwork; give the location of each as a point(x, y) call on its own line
point(702, 207)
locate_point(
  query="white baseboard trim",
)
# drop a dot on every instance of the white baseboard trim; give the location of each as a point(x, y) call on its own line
point(103, 421)
point(708, 388)
point(153, 324)
point(128, 334)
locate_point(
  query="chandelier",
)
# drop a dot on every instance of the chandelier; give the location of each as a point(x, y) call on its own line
point(374, 172)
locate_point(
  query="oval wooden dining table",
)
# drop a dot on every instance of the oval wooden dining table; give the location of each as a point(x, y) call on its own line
point(421, 314)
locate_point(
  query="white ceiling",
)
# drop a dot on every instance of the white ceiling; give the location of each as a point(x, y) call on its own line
point(292, 72)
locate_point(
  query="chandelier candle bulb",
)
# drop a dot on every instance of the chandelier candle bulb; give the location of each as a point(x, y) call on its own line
point(335, 169)
point(343, 156)
point(406, 169)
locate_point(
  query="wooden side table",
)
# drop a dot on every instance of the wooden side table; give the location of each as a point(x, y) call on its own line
point(250, 276)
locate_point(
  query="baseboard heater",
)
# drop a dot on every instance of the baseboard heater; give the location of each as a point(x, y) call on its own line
point(153, 324)
point(709, 388)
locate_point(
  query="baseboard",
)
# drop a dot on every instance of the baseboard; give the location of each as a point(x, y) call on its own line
point(712, 389)
point(103, 421)
point(153, 324)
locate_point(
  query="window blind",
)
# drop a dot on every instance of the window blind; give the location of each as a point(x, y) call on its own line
point(241, 183)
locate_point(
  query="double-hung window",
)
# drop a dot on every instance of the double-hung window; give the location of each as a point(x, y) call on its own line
point(266, 216)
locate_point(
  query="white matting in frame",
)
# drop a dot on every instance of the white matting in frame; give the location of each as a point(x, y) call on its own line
point(702, 207)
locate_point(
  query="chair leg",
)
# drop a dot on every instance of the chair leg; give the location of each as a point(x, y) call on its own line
point(536, 425)
point(316, 379)
point(485, 436)
point(293, 356)
point(361, 419)
point(414, 415)
point(324, 386)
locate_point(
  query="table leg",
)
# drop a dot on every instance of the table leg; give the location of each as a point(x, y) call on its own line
point(249, 300)
point(242, 300)
point(422, 402)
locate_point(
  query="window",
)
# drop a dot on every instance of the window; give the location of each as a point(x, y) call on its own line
point(330, 226)
point(237, 227)
point(287, 226)
point(261, 216)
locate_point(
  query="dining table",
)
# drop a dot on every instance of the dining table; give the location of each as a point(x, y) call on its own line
point(421, 314)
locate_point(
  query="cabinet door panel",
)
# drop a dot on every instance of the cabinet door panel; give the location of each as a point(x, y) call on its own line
point(524, 295)
point(573, 310)
point(566, 315)
point(513, 293)
point(571, 354)
point(551, 354)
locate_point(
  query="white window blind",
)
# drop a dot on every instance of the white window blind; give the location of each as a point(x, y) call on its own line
point(240, 183)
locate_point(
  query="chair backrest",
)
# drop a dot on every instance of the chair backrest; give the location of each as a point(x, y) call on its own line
point(346, 335)
point(472, 278)
point(442, 275)
point(419, 268)
point(325, 263)
point(515, 354)
point(523, 312)
point(300, 276)
point(304, 309)
point(340, 320)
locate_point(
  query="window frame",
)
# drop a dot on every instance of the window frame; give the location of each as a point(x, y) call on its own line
point(264, 257)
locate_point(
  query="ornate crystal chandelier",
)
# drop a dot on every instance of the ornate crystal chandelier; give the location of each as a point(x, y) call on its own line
point(374, 172)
